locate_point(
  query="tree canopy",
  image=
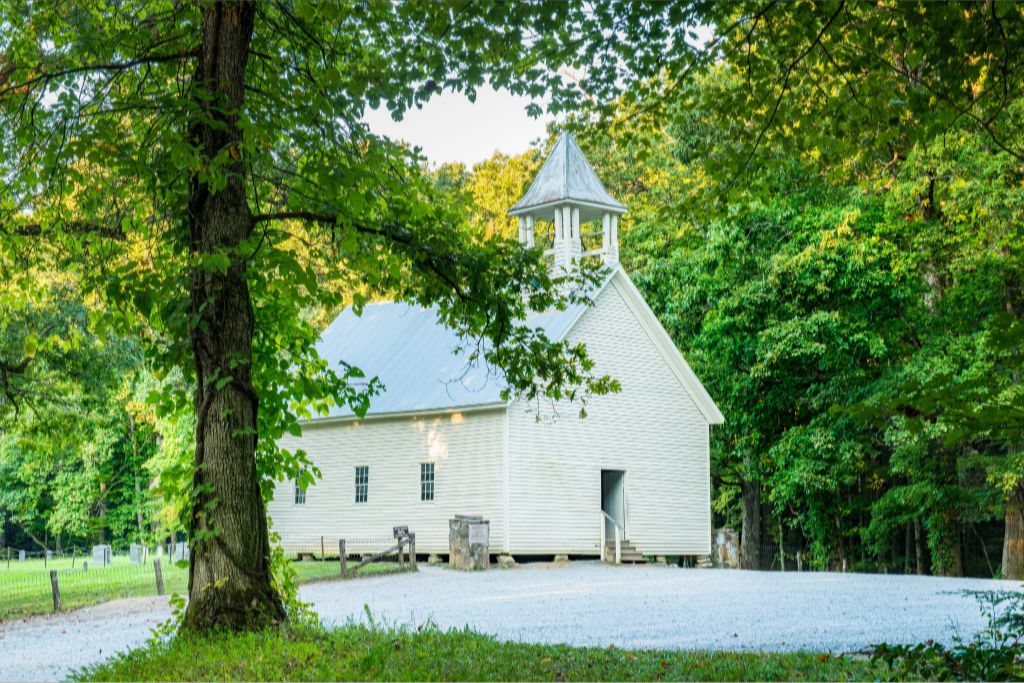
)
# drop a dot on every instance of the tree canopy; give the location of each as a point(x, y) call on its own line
point(825, 214)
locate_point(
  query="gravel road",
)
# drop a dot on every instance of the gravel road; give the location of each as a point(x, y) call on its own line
point(582, 604)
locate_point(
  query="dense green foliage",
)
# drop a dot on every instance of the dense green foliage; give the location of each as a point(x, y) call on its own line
point(358, 653)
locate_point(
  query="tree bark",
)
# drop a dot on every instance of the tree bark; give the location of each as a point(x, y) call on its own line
point(919, 549)
point(230, 584)
point(1013, 536)
point(750, 534)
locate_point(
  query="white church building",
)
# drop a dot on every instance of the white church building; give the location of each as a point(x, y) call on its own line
point(439, 441)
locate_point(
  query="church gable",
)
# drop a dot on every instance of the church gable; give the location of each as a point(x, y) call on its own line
point(621, 322)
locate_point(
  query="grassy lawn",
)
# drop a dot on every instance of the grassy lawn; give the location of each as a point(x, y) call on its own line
point(358, 653)
point(25, 586)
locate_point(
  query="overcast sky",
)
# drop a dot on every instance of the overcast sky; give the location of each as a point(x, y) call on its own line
point(451, 128)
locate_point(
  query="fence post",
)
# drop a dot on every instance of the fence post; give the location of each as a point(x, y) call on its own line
point(401, 551)
point(342, 559)
point(323, 555)
point(159, 577)
point(412, 551)
point(799, 563)
point(56, 590)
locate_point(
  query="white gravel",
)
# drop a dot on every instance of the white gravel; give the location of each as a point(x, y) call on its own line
point(582, 604)
point(49, 648)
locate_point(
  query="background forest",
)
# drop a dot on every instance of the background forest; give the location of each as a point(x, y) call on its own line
point(854, 306)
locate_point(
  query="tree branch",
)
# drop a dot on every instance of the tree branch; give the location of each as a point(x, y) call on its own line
point(91, 68)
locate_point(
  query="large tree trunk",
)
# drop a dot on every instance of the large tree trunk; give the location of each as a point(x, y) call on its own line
point(750, 534)
point(230, 584)
point(1013, 536)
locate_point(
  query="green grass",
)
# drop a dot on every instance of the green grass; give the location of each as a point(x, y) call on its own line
point(26, 590)
point(25, 587)
point(358, 653)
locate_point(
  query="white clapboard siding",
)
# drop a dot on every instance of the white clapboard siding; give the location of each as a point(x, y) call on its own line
point(652, 430)
point(465, 447)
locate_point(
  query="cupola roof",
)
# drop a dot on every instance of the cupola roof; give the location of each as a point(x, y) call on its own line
point(566, 177)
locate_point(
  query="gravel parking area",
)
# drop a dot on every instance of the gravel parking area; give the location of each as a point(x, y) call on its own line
point(667, 607)
point(585, 603)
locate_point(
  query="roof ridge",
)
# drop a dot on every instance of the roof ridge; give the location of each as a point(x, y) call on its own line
point(569, 140)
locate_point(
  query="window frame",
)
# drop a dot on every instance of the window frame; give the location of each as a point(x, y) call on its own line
point(362, 484)
point(428, 482)
point(299, 498)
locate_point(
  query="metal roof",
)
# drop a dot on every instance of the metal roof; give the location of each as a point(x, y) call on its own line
point(415, 357)
point(566, 176)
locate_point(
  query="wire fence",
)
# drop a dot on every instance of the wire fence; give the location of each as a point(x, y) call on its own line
point(35, 582)
point(27, 592)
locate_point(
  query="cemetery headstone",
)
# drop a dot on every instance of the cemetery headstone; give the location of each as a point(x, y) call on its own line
point(49, 555)
point(135, 553)
point(101, 554)
point(180, 552)
point(21, 556)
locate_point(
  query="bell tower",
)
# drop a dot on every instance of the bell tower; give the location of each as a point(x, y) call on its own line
point(566, 208)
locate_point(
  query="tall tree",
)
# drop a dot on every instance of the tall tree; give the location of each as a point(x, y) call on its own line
point(173, 151)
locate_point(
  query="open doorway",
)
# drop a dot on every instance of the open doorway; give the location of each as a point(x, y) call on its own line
point(613, 499)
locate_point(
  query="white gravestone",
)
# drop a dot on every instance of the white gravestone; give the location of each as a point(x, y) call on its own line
point(101, 554)
point(21, 556)
point(180, 552)
point(135, 553)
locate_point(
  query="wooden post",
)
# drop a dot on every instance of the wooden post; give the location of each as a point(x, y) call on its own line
point(412, 551)
point(159, 577)
point(401, 550)
point(74, 552)
point(799, 562)
point(323, 555)
point(342, 559)
point(56, 590)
